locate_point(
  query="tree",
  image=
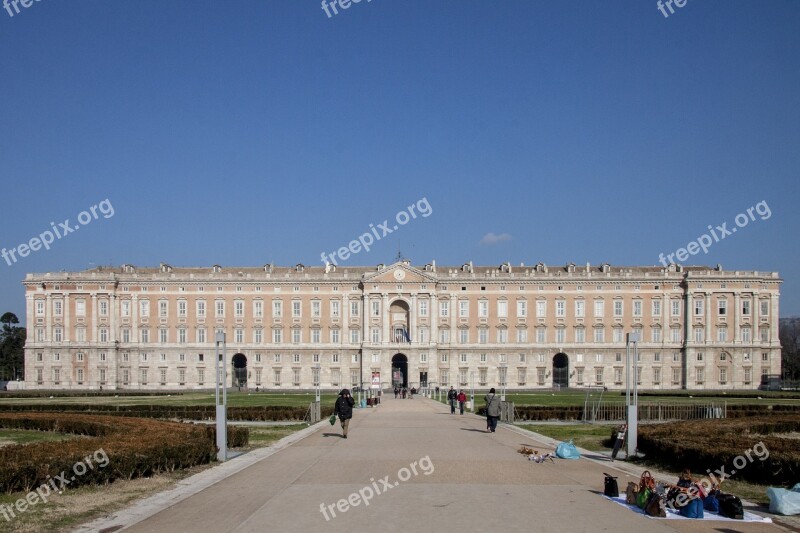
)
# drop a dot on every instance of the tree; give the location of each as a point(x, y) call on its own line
point(12, 348)
point(789, 334)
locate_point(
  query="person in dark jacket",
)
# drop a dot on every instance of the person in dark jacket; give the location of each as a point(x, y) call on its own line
point(462, 399)
point(492, 411)
point(452, 396)
point(344, 409)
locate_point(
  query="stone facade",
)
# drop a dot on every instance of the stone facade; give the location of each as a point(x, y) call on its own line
point(289, 328)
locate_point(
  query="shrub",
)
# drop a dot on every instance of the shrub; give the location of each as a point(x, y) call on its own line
point(135, 447)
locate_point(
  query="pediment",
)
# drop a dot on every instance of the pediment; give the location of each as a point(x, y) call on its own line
point(399, 273)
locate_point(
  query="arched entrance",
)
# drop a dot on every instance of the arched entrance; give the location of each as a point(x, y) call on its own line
point(399, 371)
point(239, 370)
point(399, 316)
point(561, 371)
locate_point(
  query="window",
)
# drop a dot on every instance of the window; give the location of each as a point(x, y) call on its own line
point(336, 306)
point(657, 357)
point(748, 376)
point(276, 377)
point(675, 334)
point(502, 336)
point(522, 336)
point(355, 308)
point(315, 358)
point(617, 376)
point(444, 336)
point(39, 307)
point(423, 335)
point(423, 358)
point(143, 376)
point(746, 307)
point(238, 335)
point(483, 336)
point(746, 336)
point(579, 375)
point(463, 358)
point(316, 336)
point(316, 309)
point(315, 376)
point(463, 336)
point(598, 308)
point(699, 334)
point(354, 336)
point(502, 309)
point(765, 357)
point(443, 358)
point(258, 337)
point(698, 306)
point(483, 358)
point(80, 307)
point(376, 307)
point(296, 358)
point(722, 307)
point(656, 376)
point(463, 308)
point(277, 336)
point(162, 335)
point(522, 308)
point(764, 308)
point(701, 375)
point(599, 335)
point(764, 334)
point(541, 308)
point(675, 308)
point(296, 308)
point(162, 308)
point(598, 358)
point(540, 376)
point(296, 336)
point(336, 377)
point(238, 308)
point(144, 335)
point(676, 376)
point(561, 307)
point(522, 358)
point(335, 336)
point(656, 334)
point(560, 335)
point(656, 308)
point(423, 308)
point(541, 335)
point(617, 335)
point(617, 308)
point(58, 307)
point(219, 308)
point(376, 335)
point(722, 334)
point(201, 335)
point(699, 356)
point(277, 309)
point(201, 308)
point(144, 308)
point(580, 308)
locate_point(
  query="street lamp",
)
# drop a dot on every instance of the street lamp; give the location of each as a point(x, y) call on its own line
point(503, 382)
point(221, 400)
point(472, 390)
point(319, 381)
point(631, 389)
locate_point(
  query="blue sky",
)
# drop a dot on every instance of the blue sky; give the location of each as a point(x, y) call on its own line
point(248, 132)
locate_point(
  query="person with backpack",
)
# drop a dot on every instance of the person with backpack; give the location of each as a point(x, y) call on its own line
point(452, 396)
point(344, 409)
point(462, 399)
point(492, 411)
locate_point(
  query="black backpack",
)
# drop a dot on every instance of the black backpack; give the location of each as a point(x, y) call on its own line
point(611, 488)
point(730, 506)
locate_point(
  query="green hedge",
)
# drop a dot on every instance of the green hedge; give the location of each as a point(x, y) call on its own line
point(178, 412)
point(711, 444)
point(134, 448)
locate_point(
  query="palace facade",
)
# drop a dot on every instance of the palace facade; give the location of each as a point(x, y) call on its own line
point(290, 328)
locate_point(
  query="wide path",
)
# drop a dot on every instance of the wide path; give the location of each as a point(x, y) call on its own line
point(466, 480)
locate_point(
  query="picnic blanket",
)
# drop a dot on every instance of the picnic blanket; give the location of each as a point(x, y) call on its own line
point(707, 515)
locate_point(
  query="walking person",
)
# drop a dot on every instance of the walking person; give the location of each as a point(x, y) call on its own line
point(344, 409)
point(492, 411)
point(452, 396)
point(462, 399)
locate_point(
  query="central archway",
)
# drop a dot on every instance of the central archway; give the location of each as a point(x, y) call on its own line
point(239, 370)
point(561, 371)
point(399, 371)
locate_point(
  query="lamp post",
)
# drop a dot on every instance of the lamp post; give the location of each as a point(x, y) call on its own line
point(503, 369)
point(472, 390)
point(631, 390)
point(317, 385)
point(221, 399)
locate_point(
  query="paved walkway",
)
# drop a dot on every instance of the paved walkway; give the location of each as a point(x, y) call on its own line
point(466, 480)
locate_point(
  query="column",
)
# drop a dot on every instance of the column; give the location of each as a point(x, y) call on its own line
point(365, 334)
point(737, 309)
point(48, 320)
point(708, 319)
point(95, 335)
point(453, 318)
point(112, 316)
point(412, 317)
point(433, 309)
point(65, 310)
point(386, 321)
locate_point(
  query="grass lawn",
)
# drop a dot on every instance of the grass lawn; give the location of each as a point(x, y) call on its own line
point(588, 436)
point(261, 436)
point(24, 436)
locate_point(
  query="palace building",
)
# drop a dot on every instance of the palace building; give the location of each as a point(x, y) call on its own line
point(296, 328)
